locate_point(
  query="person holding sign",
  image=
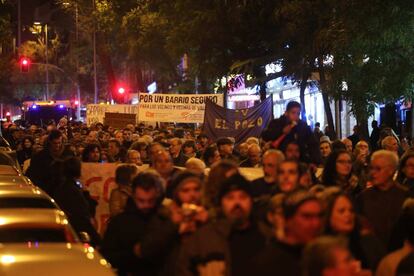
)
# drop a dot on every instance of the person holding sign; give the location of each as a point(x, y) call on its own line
point(280, 132)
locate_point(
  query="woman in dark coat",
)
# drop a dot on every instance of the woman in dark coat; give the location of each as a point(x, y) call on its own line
point(73, 200)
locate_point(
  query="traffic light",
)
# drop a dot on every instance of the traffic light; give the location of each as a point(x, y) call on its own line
point(24, 65)
point(121, 90)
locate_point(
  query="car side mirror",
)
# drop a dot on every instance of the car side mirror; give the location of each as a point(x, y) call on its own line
point(84, 237)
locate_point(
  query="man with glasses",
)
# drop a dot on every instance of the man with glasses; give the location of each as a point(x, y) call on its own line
point(381, 202)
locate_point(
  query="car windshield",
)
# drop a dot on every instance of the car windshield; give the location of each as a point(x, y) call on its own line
point(18, 235)
point(24, 202)
point(4, 143)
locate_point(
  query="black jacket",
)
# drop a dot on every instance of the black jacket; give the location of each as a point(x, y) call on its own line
point(301, 133)
point(72, 201)
point(40, 170)
point(278, 258)
point(210, 247)
point(123, 232)
point(180, 160)
point(382, 209)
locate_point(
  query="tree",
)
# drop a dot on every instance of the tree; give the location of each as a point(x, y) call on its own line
point(6, 52)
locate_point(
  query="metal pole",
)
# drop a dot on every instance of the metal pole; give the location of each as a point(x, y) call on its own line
point(47, 61)
point(78, 110)
point(95, 80)
point(19, 24)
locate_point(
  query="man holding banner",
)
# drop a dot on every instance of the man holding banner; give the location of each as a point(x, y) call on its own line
point(288, 128)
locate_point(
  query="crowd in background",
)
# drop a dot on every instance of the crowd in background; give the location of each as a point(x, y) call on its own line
point(182, 207)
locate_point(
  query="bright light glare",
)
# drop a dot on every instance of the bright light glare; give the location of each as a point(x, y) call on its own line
point(34, 106)
point(121, 90)
point(103, 262)
point(25, 62)
point(61, 106)
point(7, 259)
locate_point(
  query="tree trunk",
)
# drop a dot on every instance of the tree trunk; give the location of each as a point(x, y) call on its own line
point(140, 85)
point(303, 85)
point(325, 97)
point(262, 91)
point(363, 127)
point(106, 62)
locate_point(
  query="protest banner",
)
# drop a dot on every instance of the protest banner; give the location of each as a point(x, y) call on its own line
point(119, 120)
point(178, 108)
point(238, 123)
point(95, 113)
point(99, 180)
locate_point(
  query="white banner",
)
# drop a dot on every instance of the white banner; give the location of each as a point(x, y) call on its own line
point(178, 108)
point(99, 180)
point(95, 113)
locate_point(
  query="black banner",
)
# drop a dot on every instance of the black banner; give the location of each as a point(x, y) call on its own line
point(238, 123)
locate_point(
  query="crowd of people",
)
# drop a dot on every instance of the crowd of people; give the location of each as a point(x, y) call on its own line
point(322, 207)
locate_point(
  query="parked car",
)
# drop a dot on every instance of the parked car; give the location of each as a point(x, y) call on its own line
point(41, 242)
point(11, 175)
point(25, 196)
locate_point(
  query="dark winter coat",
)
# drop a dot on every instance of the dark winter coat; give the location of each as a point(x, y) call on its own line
point(278, 258)
point(208, 248)
point(71, 199)
point(382, 209)
point(124, 231)
point(40, 170)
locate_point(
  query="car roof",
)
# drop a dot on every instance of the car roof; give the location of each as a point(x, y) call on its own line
point(13, 180)
point(32, 216)
point(61, 259)
point(22, 191)
point(9, 170)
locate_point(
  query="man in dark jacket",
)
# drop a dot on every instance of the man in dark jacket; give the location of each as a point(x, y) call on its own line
point(228, 245)
point(177, 155)
point(288, 128)
point(40, 165)
point(128, 228)
point(381, 204)
point(267, 185)
point(302, 213)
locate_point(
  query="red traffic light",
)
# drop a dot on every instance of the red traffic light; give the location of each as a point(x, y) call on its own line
point(24, 64)
point(121, 90)
point(76, 102)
